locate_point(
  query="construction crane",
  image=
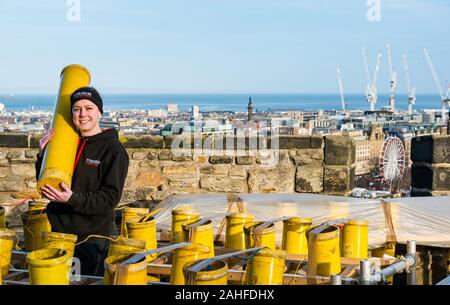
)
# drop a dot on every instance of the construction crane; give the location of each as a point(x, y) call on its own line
point(393, 84)
point(411, 89)
point(444, 98)
point(341, 89)
point(371, 87)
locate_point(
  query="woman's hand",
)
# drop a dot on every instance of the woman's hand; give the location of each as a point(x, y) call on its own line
point(56, 196)
point(45, 139)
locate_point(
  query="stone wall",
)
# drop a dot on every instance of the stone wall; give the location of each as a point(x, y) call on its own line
point(430, 171)
point(208, 164)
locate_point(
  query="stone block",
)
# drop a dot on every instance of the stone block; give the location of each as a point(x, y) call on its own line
point(34, 140)
point(139, 155)
point(309, 179)
point(180, 170)
point(223, 184)
point(142, 141)
point(317, 142)
point(31, 153)
point(435, 177)
point(271, 180)
point(12, 186)
point(431, 149)
point(338, 179)
point(290, 142)
point(182, 141)
point(244, 160)
point(219, 169)
point(340, 150)
point(16, 140)
point(149, 179)
point(237, 171)
point(307, 157)
point(165, 154)
point(220, 160)
point(182, 158)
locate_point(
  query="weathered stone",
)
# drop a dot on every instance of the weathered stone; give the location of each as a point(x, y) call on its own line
point(223, 184)
point(143, 193)
point(289, 142)
point(31, 153)
point(148, 163)
point(34, 140)
point(317, 142)
point(184, 185)
point(338, 179)
point(271, 180)
point(309, 179)
point(13, 155)
point(5, 172)
point(23, 171)
point(244, 160)
point(23, 161)
point(200, 159)
point(149, 179)
point(12, 185)
point(435, 177)
point(220, 160)
point(142, 141)
point(231, 142)
point(237, 171)
point(16, 140)
point(152, 155)
point(31, 183)
point(219, 169)
point(307, 157)
point(4, 162)
point(180, 170)
point(431, 149)
point(177, 141)
point(182, 158)
point(165, 154)
point(139, 155)
point(340, 150)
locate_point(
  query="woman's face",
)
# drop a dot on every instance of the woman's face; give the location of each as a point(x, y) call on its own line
point(86, 117)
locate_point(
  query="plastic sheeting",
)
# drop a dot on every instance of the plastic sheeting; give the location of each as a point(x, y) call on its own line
point(423, 219)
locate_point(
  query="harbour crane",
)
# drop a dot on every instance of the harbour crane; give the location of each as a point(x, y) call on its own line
point(341, 89)
point(444, 98)
point(393, 84)
point(411, 89)
point(371, 87)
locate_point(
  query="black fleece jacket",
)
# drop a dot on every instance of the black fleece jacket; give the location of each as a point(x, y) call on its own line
point(97, 183)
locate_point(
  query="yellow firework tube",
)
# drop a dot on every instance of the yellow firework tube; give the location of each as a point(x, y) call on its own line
point(145, 231)
point(34, 222)
point(234, 233)
point(202, 234)
point(266, 268)
point(355, 239)
point(6, 246)
point(128, 213)
point(124, 245)
point(49, 267)
point(181, 216)
point(294, 235)
point(60, 153)
point(184, 255)
point(132, 274)
point(215, 274)
point(259, 238)
point(59, 241)
point(323, 252)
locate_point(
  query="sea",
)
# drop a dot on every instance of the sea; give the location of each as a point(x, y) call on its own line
point(224, 102)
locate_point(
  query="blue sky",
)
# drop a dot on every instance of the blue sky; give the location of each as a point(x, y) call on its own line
point(222, 46)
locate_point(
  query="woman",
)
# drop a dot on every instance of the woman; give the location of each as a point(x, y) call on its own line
point(100, 169)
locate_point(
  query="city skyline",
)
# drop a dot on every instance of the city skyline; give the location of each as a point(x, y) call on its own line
point(225, 47)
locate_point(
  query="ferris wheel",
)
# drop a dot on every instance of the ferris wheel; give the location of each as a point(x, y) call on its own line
point(392, 159)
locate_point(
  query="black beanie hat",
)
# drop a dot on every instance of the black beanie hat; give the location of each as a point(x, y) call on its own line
point(87, 93)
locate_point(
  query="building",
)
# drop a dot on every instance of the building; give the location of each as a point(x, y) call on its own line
point(172, 108)
point(250, 110)
point(195, 112)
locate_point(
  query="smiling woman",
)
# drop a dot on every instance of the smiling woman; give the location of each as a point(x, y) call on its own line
point(101, 166)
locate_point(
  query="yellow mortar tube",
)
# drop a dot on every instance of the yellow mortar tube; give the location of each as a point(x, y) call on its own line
point(265, 268)
point(180, 217)
point(128, 213)
point(125, 245)
point(59, 241)
point(323, 252)
point(202, 234)
point(145, 231)
point(7, 238)
point(234, 233)
point(49, 267)
point(34, 223)
point(184, 255)
point(355, 239)
point(259, 238)
point(131, 274)
point(388, 249)
point(60, 153)
point(216, 274)
point(2, 217)
point(294, 235)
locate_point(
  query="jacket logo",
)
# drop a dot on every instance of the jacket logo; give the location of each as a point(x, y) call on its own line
point(92, 163)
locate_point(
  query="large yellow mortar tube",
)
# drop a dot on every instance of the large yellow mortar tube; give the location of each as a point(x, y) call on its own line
point(59, 156)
